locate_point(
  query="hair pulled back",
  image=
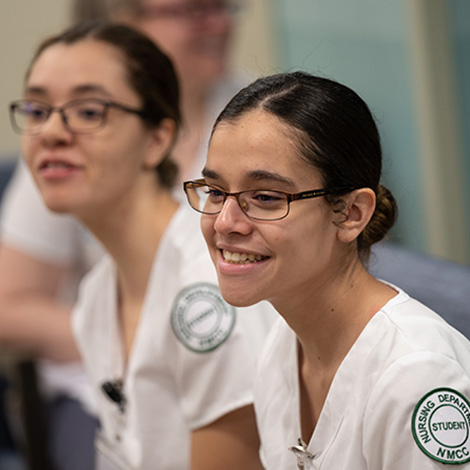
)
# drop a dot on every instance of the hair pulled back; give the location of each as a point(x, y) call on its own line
point(335, 132)
point(150, 74)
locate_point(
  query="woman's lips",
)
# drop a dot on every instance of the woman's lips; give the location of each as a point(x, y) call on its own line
point(56, 169)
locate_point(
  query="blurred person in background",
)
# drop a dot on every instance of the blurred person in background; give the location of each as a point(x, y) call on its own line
point(98, 119)
point(44, 255)
point(197, 35)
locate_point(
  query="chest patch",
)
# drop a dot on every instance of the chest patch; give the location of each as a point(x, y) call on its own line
point(441, 426)
point(200, 317)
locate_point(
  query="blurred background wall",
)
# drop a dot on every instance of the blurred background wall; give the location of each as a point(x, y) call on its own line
point(409, 59)
point(23, 23)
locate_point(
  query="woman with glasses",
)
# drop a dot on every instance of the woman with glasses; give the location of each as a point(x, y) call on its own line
point(169, 361)
point(356, 375)
point(43, 255)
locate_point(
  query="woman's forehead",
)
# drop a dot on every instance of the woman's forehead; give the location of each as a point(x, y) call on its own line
point(257, 133)
point(88, 56)
point(81, 65)
point(257, 147)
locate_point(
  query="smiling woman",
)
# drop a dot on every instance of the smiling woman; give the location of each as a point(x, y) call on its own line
point(353, 352)
point(99, 118)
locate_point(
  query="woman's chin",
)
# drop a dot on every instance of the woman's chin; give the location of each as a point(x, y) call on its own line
point(238, 300)
point(59, 205)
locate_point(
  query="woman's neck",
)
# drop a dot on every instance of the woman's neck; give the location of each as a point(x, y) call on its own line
point(131, 232)
point(327, 330)
point(330, 317)
point(193, 101)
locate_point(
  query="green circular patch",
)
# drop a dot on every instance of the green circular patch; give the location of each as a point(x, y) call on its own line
point(441, 426)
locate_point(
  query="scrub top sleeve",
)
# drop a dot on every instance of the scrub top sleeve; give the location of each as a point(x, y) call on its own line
point(418, 415)
point(213, 383)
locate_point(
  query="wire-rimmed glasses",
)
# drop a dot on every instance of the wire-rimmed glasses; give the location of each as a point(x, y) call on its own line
point(258, 204)
point(81, 116)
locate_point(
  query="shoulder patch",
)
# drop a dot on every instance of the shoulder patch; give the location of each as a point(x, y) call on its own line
point(441, 426)
point(200, 317)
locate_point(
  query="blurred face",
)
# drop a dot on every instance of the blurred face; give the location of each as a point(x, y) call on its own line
point(194, 33)
point(81, 173)
point(280, 261)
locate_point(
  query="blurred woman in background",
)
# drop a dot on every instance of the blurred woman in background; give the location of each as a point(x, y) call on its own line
point(44, 255)
point(170, 363)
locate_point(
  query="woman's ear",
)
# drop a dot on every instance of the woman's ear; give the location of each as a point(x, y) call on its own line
point(358, 210)
point(162, 139)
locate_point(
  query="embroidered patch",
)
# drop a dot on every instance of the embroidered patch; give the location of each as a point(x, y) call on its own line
point(441, 426)
point(200, 317)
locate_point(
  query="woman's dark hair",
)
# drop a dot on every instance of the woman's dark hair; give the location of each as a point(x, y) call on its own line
point(150, 73)
point(335, 133)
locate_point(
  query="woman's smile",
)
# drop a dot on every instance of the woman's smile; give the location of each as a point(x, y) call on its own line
point(264, 259)
point(241, 258)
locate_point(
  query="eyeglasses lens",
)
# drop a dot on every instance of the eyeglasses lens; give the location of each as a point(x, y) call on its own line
point(29, 117)
point(257, 204)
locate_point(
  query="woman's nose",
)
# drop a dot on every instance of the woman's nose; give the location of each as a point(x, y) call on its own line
point(232, 218)
point(55, 128)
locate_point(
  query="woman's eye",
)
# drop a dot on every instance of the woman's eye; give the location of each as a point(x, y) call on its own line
point(268, 197)
point(90, 113)
point(35, 114)
point(213, 193)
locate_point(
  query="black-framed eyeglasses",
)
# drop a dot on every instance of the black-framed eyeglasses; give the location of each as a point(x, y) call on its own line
point(81, 116)
point(258, 204)
point(193, 11)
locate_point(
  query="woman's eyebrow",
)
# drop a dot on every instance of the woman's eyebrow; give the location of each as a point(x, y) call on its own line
point(35, 90)
point(78, 90)
point(90, 88)
point(265, 175)
point(208, 173)
point(254, 175)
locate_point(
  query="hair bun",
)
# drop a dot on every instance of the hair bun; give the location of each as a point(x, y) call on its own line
point(382, 220)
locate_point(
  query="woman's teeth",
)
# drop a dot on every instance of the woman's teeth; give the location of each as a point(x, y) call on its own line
point(241, 258)
point(56, 165)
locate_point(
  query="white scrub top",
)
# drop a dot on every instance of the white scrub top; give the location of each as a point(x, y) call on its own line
point(193, 358)
point(27, 225)
point(399, 400)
